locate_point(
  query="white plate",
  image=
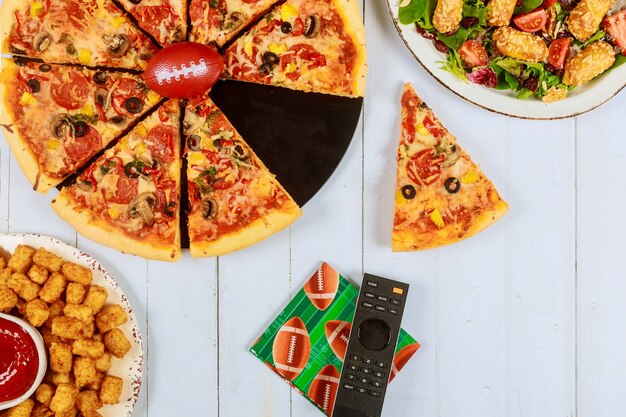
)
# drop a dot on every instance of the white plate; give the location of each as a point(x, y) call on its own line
point(129, 368)
point(581, 100)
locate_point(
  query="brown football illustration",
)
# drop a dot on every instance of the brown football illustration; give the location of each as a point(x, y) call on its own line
point(402, 358)
point(324, 387)
point(337, 335)
point(322, 287)
point(291, 348)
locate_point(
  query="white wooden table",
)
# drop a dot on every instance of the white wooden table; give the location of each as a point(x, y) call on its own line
point(526, 319)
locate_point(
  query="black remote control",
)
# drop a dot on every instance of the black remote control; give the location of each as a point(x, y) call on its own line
point(371, 348)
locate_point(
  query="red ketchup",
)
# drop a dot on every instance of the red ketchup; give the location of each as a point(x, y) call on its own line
point(19, 360)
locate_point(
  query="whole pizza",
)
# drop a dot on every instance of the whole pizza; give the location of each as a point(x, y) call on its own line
point(136, 166)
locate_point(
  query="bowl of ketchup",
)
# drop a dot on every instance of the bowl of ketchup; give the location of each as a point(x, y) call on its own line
point(23, 360)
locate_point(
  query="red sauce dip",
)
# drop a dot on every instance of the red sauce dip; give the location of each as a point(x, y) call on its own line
point(19, 360)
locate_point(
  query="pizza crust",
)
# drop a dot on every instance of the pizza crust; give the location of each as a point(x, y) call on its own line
point(351, 16)
point(102, 233)
point(7, 20)
point(255, 232)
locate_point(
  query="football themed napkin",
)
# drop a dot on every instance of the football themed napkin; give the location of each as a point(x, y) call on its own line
point(306, 344)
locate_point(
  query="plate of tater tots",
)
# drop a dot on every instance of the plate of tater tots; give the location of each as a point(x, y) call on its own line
point(535, 59)
point(93, 343)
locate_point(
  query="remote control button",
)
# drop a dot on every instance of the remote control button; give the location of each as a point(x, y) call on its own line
point(383, 298)
point(379, 374)
point(381, 364)
point(375, 394)
point(353, 367)
point(367, 305)
point(374, 334)
point(366, 371)
point(361, 390)
point(381, 308)
point(372, 284)
point(369, 295)
point(395, 301)
point(364, 381)
point(393, 311)
point(368, 361)
point(355, 357)
point(377, 384)
point(349, 387)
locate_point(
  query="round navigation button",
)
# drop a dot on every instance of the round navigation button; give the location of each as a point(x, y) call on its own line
point(374, 334)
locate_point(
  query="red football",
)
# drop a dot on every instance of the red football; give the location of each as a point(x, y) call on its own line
point(324, 387)
point(322, 287)
point(402, 358)
point(184, 70)
point(337, 335)
point(292, 348)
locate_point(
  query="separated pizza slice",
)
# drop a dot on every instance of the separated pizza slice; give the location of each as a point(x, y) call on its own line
point(55, 118)
point(307, 45)
point(86, 32)
point(234, 200)
point(442, 196)
point(220, 20)
point(165, 20)
point(129, 198)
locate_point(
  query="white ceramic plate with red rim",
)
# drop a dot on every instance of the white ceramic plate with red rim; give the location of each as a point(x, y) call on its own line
point(580, 100)
point(129, 368)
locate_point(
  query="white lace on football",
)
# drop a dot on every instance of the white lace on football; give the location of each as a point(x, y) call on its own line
point(196, 70)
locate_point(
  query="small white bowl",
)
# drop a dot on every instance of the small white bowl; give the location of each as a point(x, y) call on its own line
point(43, 360)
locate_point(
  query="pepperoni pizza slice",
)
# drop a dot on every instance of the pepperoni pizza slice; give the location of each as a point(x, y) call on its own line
point(165, 20)
point(234, 200)
point(220, 20)
point(129, 198)
point(307, 45)
point(442, 196)
point(56, 117)
point(86, 32)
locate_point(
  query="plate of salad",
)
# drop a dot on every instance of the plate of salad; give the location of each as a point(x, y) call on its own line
point(534, 59)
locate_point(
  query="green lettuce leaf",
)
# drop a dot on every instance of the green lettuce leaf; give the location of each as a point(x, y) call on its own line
point(527, 6)
point(454, 65)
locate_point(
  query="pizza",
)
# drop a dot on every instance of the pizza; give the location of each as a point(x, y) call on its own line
point(164, 20)
point(234, 200)
point(442, 196)
point(55, 31)
point(57, 117)
point(219, 21)
point(129, 198)
point(307, 45)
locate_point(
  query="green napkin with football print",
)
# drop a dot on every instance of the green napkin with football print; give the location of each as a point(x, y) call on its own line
point(307, 342)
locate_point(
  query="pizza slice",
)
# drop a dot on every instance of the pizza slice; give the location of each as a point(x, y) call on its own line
point(442, 196)
point(55, 117)
point(129, 198)
point(220, 20)
point(307, 45)
point(234, 200)
point(86, 32)
point(165, 20)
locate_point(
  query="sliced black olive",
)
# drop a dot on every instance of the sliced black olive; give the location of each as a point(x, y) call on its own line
point(238, 152)
point(101, 97)
point(453, 185)
point(42, 41)
point(312, 26)
point(271, 58)
point(193, 142)
point(61, 126)
point(135, 1)
point(45, 68)
point(117, 120)
point(20, 62)
point(133, 169)
point(409, 192)
point(286, 27)
point(209, 208)
point(70, 49)
point(100, 78)
point(169, 209)
point(118, 45)
point(266, 69)
point(34, 85)
point(80, 129)
point(133, 105)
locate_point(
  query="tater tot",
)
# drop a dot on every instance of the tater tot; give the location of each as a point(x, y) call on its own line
point(96, 298)
point(8, 298)
point(95, 385)
point(53, 288)
point(89, 348)
point(44, 393)
point(68, 328)
point(3, 263)
point(64, 398)
point(117, 343)
point(110, 317)
point(58, 379)
point(589, 63)
point(41, 410)
point(84, 372)
point(111, 389)
point(56, 310)
point(61, 357)
point(103, 363)
point(499, 12)
point(36, 312)
point(88, 401)
point(72, 412)
point(38, 274)
point(23, 286)
point(22, 410)
point(520, 45)
point(92, 413)
point(22, 259)
point(448, 15)
point(77, 273)
point(75, 293)
point(48, 337)
point(586, 17)
point(80, 312)
point(5, 275)
point(48, 260)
